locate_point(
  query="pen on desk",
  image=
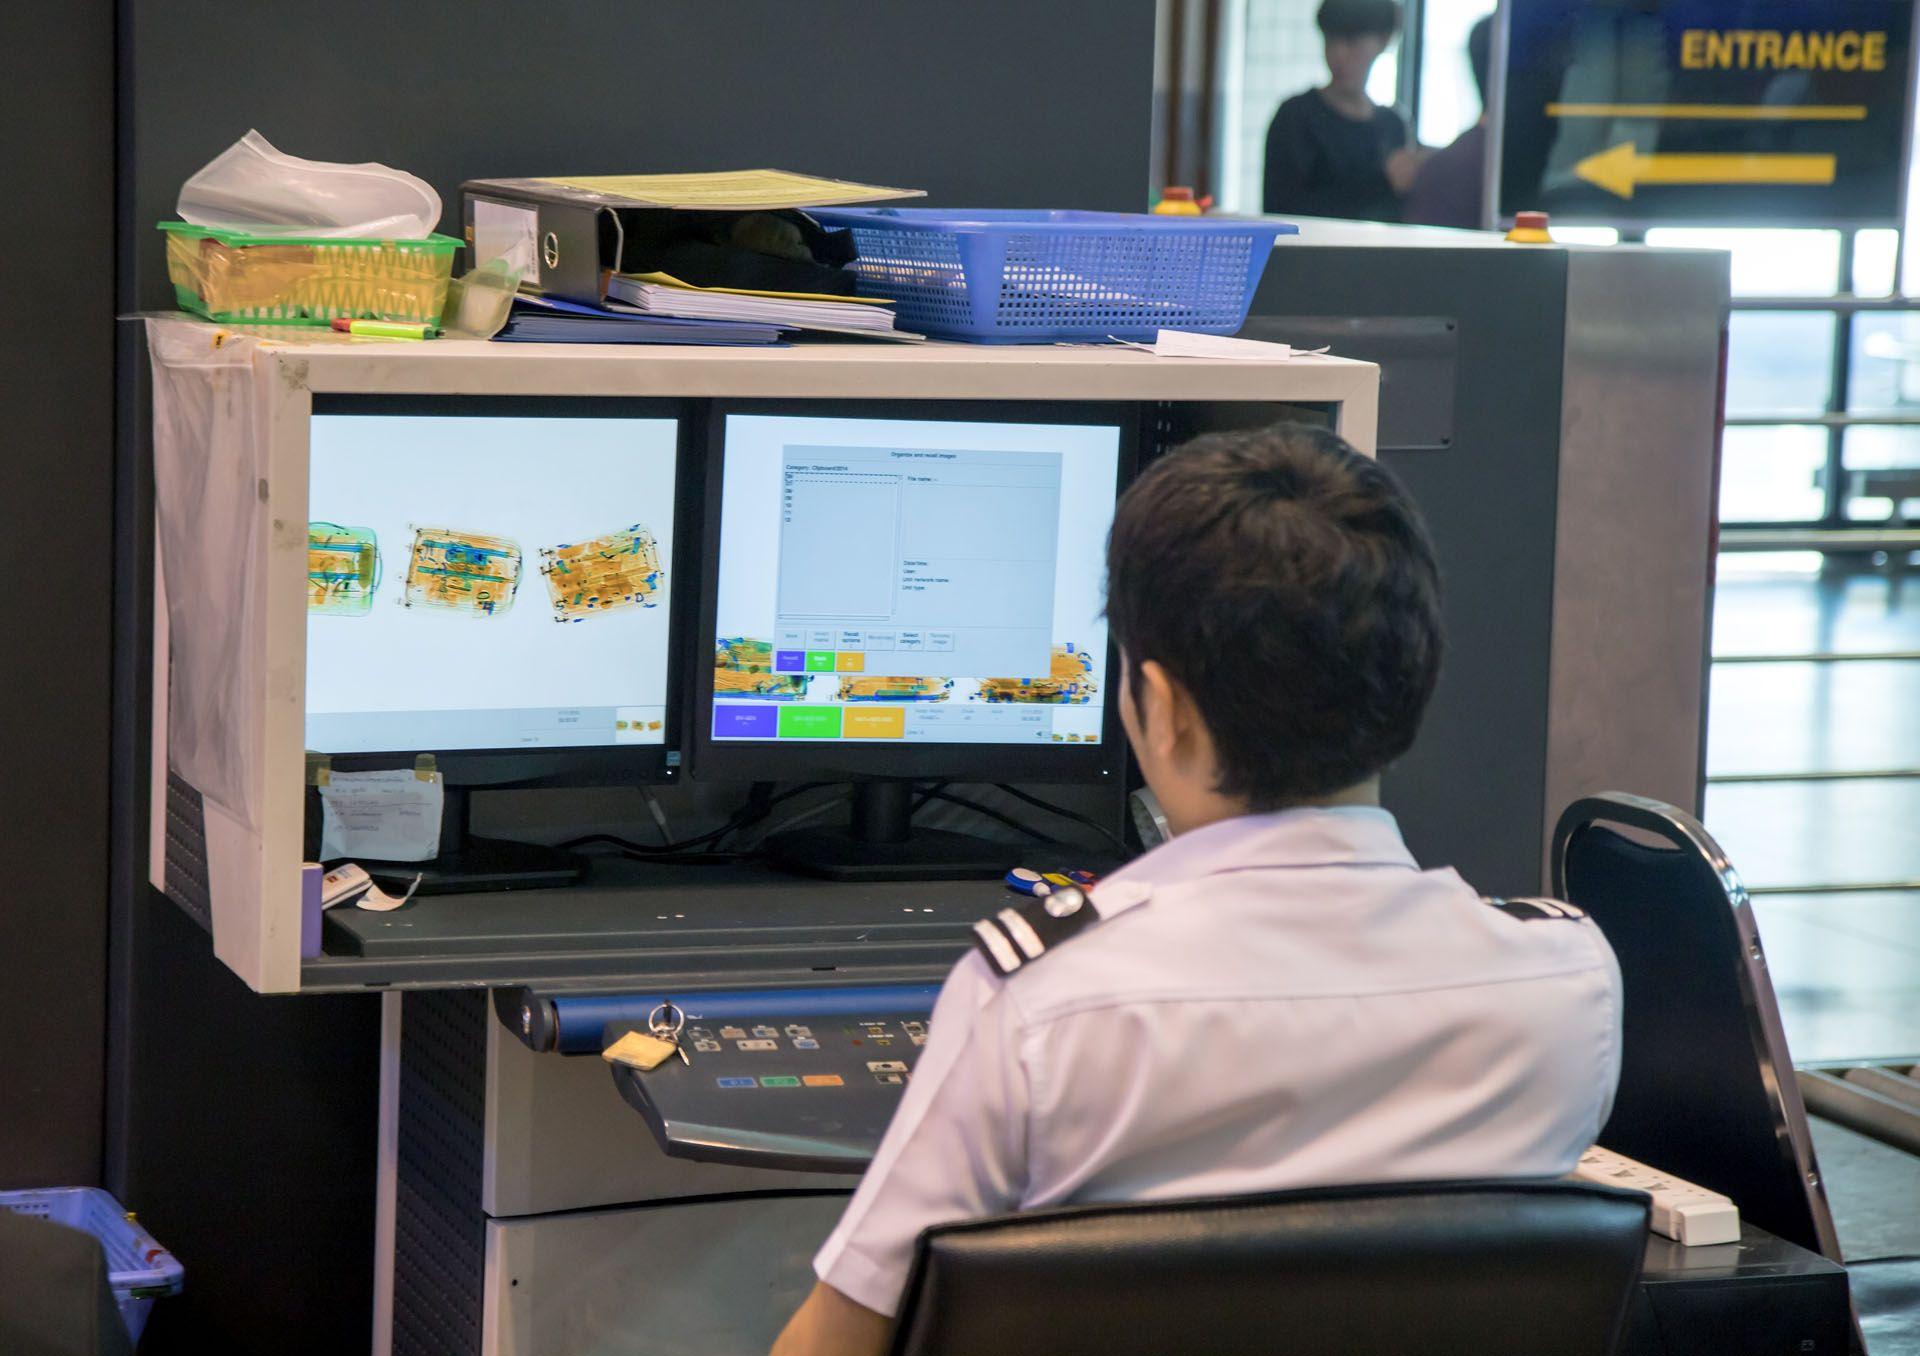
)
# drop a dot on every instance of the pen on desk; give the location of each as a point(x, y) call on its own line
point(386, 329)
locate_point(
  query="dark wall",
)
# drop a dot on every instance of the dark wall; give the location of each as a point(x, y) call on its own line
point(242, 1125)
point(56, 502)
point(984, 103)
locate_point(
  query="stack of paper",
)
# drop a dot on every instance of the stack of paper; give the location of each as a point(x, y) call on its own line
point(658, 294)
point(551, 320)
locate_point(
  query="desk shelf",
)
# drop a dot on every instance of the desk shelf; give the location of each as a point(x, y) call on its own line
point(237, 866)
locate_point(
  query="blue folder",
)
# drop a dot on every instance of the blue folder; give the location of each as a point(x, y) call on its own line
point(551, 320)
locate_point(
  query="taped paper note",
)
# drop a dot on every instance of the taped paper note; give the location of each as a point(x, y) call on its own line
point(381, 816)
point(1186, 344)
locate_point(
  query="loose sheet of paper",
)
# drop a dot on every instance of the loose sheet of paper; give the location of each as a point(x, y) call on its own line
point(1186, 344)
point(381, 816)
point(733, 190)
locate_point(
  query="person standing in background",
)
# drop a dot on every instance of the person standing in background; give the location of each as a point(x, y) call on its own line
point(1333, 152)
point(1451, 187)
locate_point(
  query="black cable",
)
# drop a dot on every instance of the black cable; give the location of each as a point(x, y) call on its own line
point(759, 804)
point(1118, 842)
point(992, 813)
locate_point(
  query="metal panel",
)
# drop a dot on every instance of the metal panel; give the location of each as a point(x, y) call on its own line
point(560, 1137)
point(1417, 357)
point(1469, 794)
point(706, 1278)
point(186, 860)
point(439, 1230)
point(1635, 524)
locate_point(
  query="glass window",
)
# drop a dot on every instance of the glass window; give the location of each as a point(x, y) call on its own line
point(1449, 99)
point(1884, 372)
point(1882, 474)
point(1767, 263)
point(1771, 474)
point(1875, 255)
point(1272, 52)
point(1779, 362)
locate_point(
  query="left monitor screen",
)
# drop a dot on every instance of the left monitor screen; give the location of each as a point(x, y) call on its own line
point(488, 582)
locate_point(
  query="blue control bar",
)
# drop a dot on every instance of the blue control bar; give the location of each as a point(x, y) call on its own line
point(581, 1019)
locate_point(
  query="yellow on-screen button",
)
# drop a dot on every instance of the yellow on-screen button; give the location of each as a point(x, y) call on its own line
point(873, 722)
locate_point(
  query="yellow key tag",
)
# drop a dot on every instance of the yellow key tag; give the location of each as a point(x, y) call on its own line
point(638, 1050)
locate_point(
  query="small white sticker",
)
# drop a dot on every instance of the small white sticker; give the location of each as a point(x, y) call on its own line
point(510, 233)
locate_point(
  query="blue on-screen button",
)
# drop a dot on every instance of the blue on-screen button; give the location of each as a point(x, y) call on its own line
point(737, 1082)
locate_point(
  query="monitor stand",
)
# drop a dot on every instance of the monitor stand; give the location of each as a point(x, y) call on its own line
point(880, 843)
point(470, 865)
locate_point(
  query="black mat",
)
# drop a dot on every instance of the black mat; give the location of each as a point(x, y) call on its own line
point(1874, 1190)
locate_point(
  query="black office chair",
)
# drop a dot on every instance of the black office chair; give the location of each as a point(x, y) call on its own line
point(55, 1299)
point(1443, 1269)
point(1707, 1090)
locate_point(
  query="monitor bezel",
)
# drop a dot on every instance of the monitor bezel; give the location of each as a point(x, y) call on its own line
point(593, 765)
point(755, 760)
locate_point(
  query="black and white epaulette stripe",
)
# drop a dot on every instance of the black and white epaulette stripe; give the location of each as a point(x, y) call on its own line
point(1014, 936)
point(1534, 908)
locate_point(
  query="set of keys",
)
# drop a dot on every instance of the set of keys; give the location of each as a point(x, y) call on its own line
point(659, 1043)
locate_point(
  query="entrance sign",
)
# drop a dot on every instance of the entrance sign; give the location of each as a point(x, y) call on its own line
point(1763, 112)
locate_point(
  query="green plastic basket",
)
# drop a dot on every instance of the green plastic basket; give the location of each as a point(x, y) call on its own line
point(241, 278)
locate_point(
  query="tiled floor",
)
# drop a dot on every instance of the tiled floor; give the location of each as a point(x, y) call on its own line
point(1845, 962)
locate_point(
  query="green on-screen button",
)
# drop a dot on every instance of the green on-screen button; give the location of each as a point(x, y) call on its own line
point(780, 1081)
point(809, 722)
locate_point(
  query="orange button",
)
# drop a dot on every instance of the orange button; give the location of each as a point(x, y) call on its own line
point(850, 661)
point(873, 722)
point(823, 1081)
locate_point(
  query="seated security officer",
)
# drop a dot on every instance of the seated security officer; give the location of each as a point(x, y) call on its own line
point(1279, 996)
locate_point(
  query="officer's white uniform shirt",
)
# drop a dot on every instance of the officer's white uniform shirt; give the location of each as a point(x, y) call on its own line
point(1276, 1001)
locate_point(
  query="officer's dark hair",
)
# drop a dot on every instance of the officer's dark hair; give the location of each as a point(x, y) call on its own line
point(1480, 54)
point(1288, 584)
point(1358, 18)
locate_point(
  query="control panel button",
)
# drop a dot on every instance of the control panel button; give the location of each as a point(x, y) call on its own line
point(885, 1066)
point(758, 1045)
point(765, 1032)
point(732, 1033)
point(779, 1081)
point(736, 1082)
point(893, 1080)
point(823, 1081)
point(805, 1043)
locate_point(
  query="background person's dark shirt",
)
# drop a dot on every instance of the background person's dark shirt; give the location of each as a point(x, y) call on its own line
point(1450, 187)
point(1321, 163)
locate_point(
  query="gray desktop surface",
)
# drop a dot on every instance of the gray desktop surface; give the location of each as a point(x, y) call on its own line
point(656, 924)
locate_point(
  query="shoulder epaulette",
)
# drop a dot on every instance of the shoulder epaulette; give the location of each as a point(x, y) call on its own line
point(1535, 908)
point(1025, 932)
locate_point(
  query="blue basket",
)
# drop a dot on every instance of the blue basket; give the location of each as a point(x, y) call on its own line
point(1011, 277)
point(138, 1268)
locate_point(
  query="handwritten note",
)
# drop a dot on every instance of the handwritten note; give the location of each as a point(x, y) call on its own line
point(381, 816)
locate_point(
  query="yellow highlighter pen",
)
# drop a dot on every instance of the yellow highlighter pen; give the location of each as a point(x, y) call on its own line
point(385, 329)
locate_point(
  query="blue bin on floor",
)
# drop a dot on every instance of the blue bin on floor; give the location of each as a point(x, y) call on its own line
point(1022, 277)
point(138, 1268)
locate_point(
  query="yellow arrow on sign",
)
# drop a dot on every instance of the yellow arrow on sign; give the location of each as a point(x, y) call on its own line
point(1622, 169)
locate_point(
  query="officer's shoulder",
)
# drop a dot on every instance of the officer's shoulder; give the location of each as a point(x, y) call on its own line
point(1536, 909)
point(1027, 930)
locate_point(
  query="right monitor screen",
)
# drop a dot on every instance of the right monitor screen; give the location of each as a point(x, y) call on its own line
point(912, 581)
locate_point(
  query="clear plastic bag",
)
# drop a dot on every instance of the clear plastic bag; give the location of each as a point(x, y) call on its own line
point(253, 187)
point(208, 485)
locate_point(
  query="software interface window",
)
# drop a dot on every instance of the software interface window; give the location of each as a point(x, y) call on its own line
point(457, 601)
point(912, 580)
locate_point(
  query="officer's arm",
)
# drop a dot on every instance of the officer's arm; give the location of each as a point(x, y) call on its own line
point(830, 1324)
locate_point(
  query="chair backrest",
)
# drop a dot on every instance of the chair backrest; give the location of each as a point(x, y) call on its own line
point(1707, 1089)
point(1445, 1269)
